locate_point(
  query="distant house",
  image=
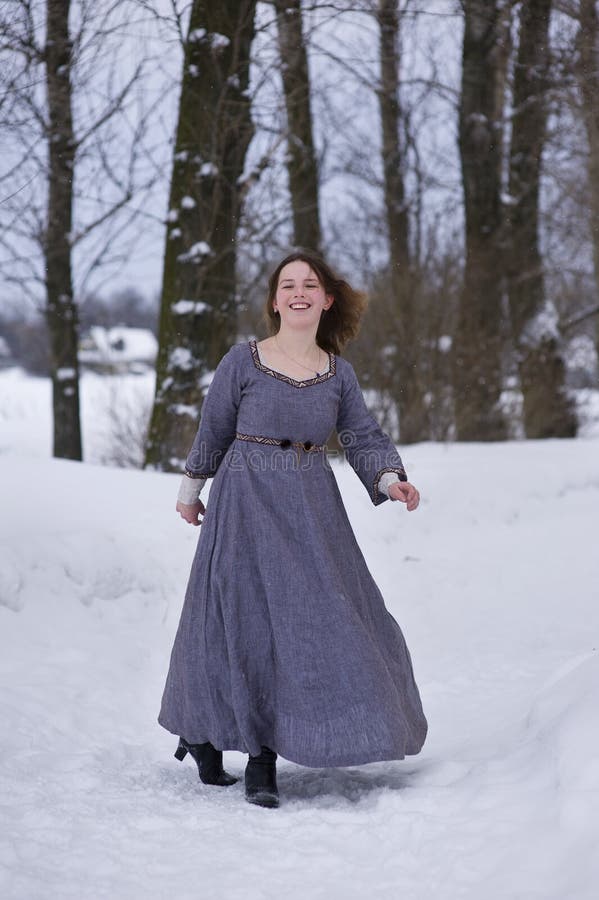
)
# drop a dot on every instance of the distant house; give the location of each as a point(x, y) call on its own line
point(118, 350)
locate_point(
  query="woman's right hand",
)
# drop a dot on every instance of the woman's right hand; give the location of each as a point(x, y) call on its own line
point(191, 512)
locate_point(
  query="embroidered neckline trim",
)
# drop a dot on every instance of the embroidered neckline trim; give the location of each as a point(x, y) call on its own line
point(294, 382)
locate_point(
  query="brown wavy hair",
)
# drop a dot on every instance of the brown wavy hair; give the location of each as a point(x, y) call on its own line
point(338, 324)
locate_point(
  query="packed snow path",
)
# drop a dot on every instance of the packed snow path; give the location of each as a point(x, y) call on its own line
point(495, 583)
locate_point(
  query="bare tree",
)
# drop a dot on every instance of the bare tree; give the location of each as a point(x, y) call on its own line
point(588, 79)
point(26, 58)
point(198, 303)
point(61, 311)
point(396, 206)
point(546, 410)
point(59, 158)
point(478, 343)
point(407, 385)
point(302, 166)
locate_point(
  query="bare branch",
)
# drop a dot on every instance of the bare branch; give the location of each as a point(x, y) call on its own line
point(115, 106)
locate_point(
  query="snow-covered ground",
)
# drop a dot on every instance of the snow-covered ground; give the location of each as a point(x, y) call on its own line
point(495, 582)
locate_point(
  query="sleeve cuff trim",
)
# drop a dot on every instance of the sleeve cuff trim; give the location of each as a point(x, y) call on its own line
point(401, 474)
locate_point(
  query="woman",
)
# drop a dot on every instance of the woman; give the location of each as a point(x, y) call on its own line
point(284, 644)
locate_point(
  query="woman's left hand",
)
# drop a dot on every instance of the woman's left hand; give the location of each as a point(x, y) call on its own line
point(191, 512)
point(406, 492)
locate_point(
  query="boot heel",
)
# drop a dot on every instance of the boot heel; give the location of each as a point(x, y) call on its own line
point(181, 751)
point(209, 762)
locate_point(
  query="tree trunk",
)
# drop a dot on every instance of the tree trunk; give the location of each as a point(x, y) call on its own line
point(477, 369)
point(198, 305)
point(407, 384)
point(301, 158)
point(61, 310)
point(547, 410)
point(588, 77)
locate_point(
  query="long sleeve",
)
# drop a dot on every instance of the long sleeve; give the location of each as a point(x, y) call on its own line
point(218, 420)
point(369, 451)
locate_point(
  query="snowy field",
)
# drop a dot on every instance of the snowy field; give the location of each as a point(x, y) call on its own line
point(495, 583)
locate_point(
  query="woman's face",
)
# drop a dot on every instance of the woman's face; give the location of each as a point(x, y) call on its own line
point(300, 297)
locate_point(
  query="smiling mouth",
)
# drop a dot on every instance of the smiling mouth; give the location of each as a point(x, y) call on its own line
point(299, 305)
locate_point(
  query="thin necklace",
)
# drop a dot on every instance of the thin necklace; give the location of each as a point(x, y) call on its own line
point(307, 368)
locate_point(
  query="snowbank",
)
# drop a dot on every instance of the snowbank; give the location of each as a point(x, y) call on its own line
point(494, 581)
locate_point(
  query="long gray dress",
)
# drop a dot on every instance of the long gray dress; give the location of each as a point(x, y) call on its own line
point(284, 639)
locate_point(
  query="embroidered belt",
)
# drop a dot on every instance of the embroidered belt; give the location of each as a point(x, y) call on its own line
point(284, 443)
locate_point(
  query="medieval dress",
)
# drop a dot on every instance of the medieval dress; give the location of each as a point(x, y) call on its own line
point(284, 639)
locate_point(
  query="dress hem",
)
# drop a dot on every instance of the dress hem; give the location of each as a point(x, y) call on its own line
point(309, 762)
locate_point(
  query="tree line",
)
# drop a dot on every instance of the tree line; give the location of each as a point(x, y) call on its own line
point(449, 326)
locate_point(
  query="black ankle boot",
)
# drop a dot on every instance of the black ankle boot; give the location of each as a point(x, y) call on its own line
point(261, 779)
point(209, 760)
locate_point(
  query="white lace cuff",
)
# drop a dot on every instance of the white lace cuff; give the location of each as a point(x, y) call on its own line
point(189, 490)
point(387, 479)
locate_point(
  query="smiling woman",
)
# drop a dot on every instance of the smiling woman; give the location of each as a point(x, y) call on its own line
point(344, 306)
point(300, 299)
point(285, 644)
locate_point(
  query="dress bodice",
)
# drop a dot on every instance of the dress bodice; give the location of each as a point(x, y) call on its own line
point(247, 397)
